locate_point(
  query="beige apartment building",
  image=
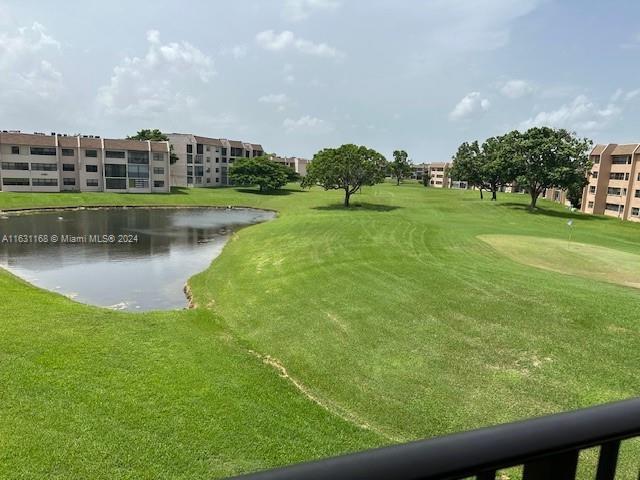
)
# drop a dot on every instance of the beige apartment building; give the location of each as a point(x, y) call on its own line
point(56, 163)
point(439, 176)
point(614, 183)
point(297, 164)
point(204, 161)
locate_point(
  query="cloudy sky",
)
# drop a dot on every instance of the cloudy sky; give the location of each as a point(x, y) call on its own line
point(299, 75)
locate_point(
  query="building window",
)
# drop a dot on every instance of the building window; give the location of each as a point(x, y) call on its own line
point(69, 181)
point(138, 171)
point(190, 170)
point(595, 159)
point(22, 182)
point(621, 159)
point(217, 159)
point(199, 171)
point(44, 182)
point(224, 151)
point(158, 183)
point(637, 194)
point(43, 151)
point(614, 191)
point(217, 180)
point(614, 207)
point(592, 189)
point(189, 158)
point(208, 180)
point(590, 204)
point(15, 166)
point(158, 157)
point(158, 171)
point(635, 212)
point(68, 152)
point(224, 160)
point(199, 159)
point(208, 148)
point(91, 153)
point(217, 170)
point(114, 154)
point(594, 174)
point(208, 159)
point(44, 167)
point(189, 148)
point(115, 183)
point(115, 170)
point(15, 150)
point(91, 168)
point(618, 176)
point(138, 183)
point(139, 158)
point(68, 167)
point(199, 149)
point(92, 182)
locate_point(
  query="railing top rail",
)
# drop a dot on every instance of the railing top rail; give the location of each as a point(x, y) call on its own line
point(468, 453)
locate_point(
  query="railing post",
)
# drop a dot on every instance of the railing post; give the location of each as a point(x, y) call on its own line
point(554, 467)
point(608, 461)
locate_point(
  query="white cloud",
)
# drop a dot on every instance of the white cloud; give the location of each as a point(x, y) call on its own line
point(237, 51)
point(580, 114)
point(516, 89)
point(27, 74)
point(297, 10)
point(469, 105)
point(307, 124)
point(287, 40)
point(465, 25)
point(274, 98)
point(166, 79)
point(632, 94)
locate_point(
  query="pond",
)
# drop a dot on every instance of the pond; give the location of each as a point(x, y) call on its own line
point(135, 259)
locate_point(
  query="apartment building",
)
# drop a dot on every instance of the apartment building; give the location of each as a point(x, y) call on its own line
point(418, 171)
point(56, 163)
point(297, 164)
point(614, 183)
point(439, 175)
point(204, 161)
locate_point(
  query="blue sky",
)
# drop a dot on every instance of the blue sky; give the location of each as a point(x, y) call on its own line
point(300, 75)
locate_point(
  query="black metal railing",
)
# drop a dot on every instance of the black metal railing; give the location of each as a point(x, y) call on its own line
point(548, 448)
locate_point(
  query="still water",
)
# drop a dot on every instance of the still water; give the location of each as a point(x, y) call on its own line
point(126, 259)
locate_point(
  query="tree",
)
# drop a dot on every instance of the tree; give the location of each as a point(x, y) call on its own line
point(488, 166)
point(400, 167)
point(155, 135)
point(575, 191)
point(260, 171)
point(549, 158)
point(347, 168)
point(498, 166)
point(467, 166)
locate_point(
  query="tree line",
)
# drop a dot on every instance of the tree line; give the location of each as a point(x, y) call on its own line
point(538, 159)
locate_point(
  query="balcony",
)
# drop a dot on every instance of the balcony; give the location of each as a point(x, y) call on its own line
point(548, 448)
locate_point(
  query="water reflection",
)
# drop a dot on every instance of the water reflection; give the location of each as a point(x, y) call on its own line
point(159, 250)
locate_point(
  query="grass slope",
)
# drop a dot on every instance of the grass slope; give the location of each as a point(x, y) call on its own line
point(394, 318)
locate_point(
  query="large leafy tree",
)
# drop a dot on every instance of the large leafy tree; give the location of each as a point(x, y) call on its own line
point(498, 167)
point(348, 168)
point(261, 171)
point(546, 157)
point(467, 165)
point(400, 167)
point(155, 135)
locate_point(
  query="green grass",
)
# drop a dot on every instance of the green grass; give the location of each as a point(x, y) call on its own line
point(394, 321)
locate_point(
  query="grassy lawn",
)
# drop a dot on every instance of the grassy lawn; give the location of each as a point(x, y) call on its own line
point(395, 320)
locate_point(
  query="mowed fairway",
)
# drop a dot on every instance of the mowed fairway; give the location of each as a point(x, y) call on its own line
point(326, 330)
